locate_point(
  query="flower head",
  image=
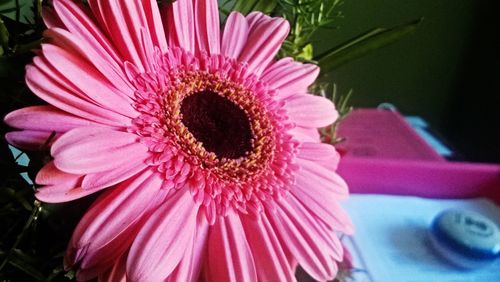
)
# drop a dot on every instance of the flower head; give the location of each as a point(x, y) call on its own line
point(207, 147)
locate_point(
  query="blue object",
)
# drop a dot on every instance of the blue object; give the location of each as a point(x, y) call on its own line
point(466, 239)
point(421, 127)
point(22, 160)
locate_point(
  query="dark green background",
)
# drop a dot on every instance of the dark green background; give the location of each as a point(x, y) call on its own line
point(447, 72)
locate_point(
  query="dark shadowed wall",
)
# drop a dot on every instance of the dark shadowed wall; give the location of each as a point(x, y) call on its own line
point(447, 72)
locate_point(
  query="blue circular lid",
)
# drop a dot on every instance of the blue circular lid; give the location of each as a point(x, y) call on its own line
point(468, 234)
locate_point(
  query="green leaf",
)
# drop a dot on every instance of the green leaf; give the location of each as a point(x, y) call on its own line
point(24, 262)
point(363, 44)
point(7, 10)
point(244, 6)
point(265, 6)
point(4, 37)
point(19, 10)
point(247, 6)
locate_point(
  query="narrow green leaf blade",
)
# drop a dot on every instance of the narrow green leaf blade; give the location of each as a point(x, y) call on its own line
point(4, 37)
point(244, 6)
point(363, 44)
point(265, 6)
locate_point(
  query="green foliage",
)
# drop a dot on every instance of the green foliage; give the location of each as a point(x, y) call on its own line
point(306, 17)
point(329, 91)
point(364, 44)
point(247, 6)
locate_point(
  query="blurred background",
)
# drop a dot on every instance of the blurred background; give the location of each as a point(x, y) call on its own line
point(447, 72)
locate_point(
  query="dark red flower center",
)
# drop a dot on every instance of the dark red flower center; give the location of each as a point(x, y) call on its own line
point(221, 125)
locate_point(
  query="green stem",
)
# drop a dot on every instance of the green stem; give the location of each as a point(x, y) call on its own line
point(37, 208)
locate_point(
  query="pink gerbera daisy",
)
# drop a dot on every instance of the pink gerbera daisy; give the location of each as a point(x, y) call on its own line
point(207, 147)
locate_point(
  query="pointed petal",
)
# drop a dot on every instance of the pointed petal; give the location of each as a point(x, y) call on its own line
point(180, 22)
point(110, 225)
point(60, 186)
point(79, 23)
point(160, 245)
point(51, 175)
point(117, 273)
point(93, 150)
point(190, 265)
point(313, 249)
point(305, 134)
point(321, 197)
point(51, 19)
point(30, 139)
point(114, 176)
point(231, 256)
point(125, 28)
point(255, 17)
point(155, 24)
point(61, 193)
point(45, 118)
point(57, 95)
point(264, 40)
point(329, 236)
point(235, 35)
point(88, 80)
point(324, 154)
point(270, 260)
point(143, 27)
point(310, 111)
point(207, 26)
point(290, 77)
point(322, 178)
point(111, 70)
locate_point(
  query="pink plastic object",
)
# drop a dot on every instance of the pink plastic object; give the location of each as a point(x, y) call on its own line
point(392, 170)
point(383, 134)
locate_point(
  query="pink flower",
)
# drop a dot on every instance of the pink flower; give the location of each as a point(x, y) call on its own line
point(207, 147)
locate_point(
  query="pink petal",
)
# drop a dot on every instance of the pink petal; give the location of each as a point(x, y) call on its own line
point(30, 139)
point(61, 193)
point(88, 80)
point(180, 22)
point(51, 175)
point(264, 40)
point(190, 265)
point(93, 150)
point(207, 25)
point(310, 111)
point(144, 26)
point(270, 260)
point(323, 177)
point(162, 241)
point(60, 186)
point(155, 24)
point(230, 256)
point(321, 197)
point(324, 154)
point(52, 92)
point(45, 118)
point(111, 70)
point(110, 225)
point(235, 35)
point(50, 18)
point(255, 17)
point(125, 28)
point(112, 177)
point(117, 273)
point(79, 23)
point(290, 77)
point(305, 134)
point(306, 241)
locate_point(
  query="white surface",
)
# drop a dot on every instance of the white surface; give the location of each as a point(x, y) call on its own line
point(391, 240)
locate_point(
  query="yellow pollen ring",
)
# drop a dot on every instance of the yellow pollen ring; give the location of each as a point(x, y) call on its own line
point(263, 143)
